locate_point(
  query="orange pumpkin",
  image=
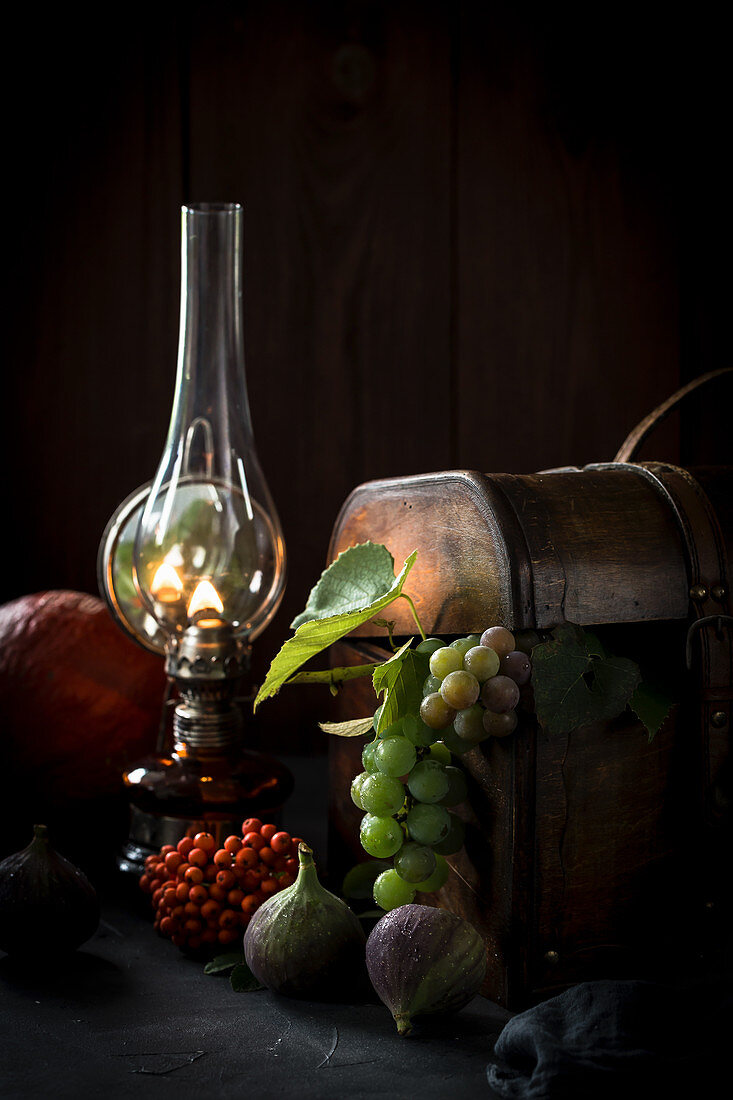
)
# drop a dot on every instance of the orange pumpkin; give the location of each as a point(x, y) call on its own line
point(79, 701)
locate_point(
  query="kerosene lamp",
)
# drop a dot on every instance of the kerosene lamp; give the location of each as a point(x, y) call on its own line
point(193, 565)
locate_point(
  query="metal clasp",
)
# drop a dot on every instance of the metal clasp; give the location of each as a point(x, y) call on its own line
point(698, 623)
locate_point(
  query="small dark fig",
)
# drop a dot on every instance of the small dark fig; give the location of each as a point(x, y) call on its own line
point(44, 900)
point(423, 960)
point(305, 942)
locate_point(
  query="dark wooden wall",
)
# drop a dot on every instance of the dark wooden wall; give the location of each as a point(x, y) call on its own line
point(475, 237)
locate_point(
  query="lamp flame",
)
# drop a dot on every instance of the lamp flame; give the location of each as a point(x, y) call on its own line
point(167, 585)
point(205, 598)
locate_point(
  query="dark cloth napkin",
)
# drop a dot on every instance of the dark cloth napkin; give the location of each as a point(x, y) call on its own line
point(615, 1038)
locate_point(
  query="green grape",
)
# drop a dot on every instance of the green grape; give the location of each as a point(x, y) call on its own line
point(380, 836)
point(435, 712)
point(417, 732)
point(429, 645)
point(427, 782)
point(445, 660)
point(460, 689)
point(482, 662)
point(395, 756)
point(462, 645)
point(500, 725)
point(454, 841)
point(356, 787)
point(474, 639)
point(454, 742)
point(428, 823)
point(391, 891)
point(367, 757)
point(439, 752)
point(432, 683)
point(438, 878)
point(382, 795)
point(457, 791)
point(414, 862)
point(469, 724)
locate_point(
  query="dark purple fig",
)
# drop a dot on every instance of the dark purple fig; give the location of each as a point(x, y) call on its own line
point(423, 960)
point(44, 900)
point(305, 942)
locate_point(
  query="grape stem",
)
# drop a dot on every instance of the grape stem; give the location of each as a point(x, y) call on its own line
point(404, 596)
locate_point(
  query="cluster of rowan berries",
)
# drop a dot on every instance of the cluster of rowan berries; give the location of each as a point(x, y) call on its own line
point(203, 895)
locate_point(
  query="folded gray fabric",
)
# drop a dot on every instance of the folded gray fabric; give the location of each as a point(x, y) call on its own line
point(611, 1038)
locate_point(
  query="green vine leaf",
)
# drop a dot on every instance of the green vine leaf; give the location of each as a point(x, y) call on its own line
point(651, 705)
point(355, 727)
point(576, 683)
point(356, 579)
point(401, 680)
point(317, 634)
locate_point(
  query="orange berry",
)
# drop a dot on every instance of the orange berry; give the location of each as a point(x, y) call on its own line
point(168, 926)
point(251, 880)
point(181, 871)
point(205, 841)
point(161, 871)
point(198, 857)
point(194, 876)
point(157, 895)
point(184, 846)
point(246, 857)
point(210, 909)
point(267, 832)
point(199, 894)
point(182, 891)
point(249, 904)
point(177, 912)
point(285, 880)
point(226, 880)
point(234, 897)
point(267, 856)
point(223, 858)
point(251, 825)
point(210, 872)
point(233, 844)
point(269, 886)
point(228, 935)
point(228, 918)
point(145, 883)
point(173, 861)
point(209, 935)
point(166, 849)
point(191, 909)
point(253, 840)
point(280, 843)
point(193, 926)
point(217, 893)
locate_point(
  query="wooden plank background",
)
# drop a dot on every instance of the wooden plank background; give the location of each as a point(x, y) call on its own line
point(475, 237)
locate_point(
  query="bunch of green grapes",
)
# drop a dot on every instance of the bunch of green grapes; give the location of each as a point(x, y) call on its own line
point(409, 782)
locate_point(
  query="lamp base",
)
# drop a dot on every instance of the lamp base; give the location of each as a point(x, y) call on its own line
point(176, 796)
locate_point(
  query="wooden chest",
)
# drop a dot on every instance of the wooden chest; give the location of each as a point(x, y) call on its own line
point(596, 852)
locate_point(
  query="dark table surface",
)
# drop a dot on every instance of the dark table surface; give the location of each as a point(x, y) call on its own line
point(129, 1015)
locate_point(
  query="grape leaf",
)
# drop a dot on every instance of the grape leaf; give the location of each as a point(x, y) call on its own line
point(356, 579)
point(651, 705)
point(402, 683)
point(315, 635)
point(243, 980)
point(355, 727)
point(574, 686)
